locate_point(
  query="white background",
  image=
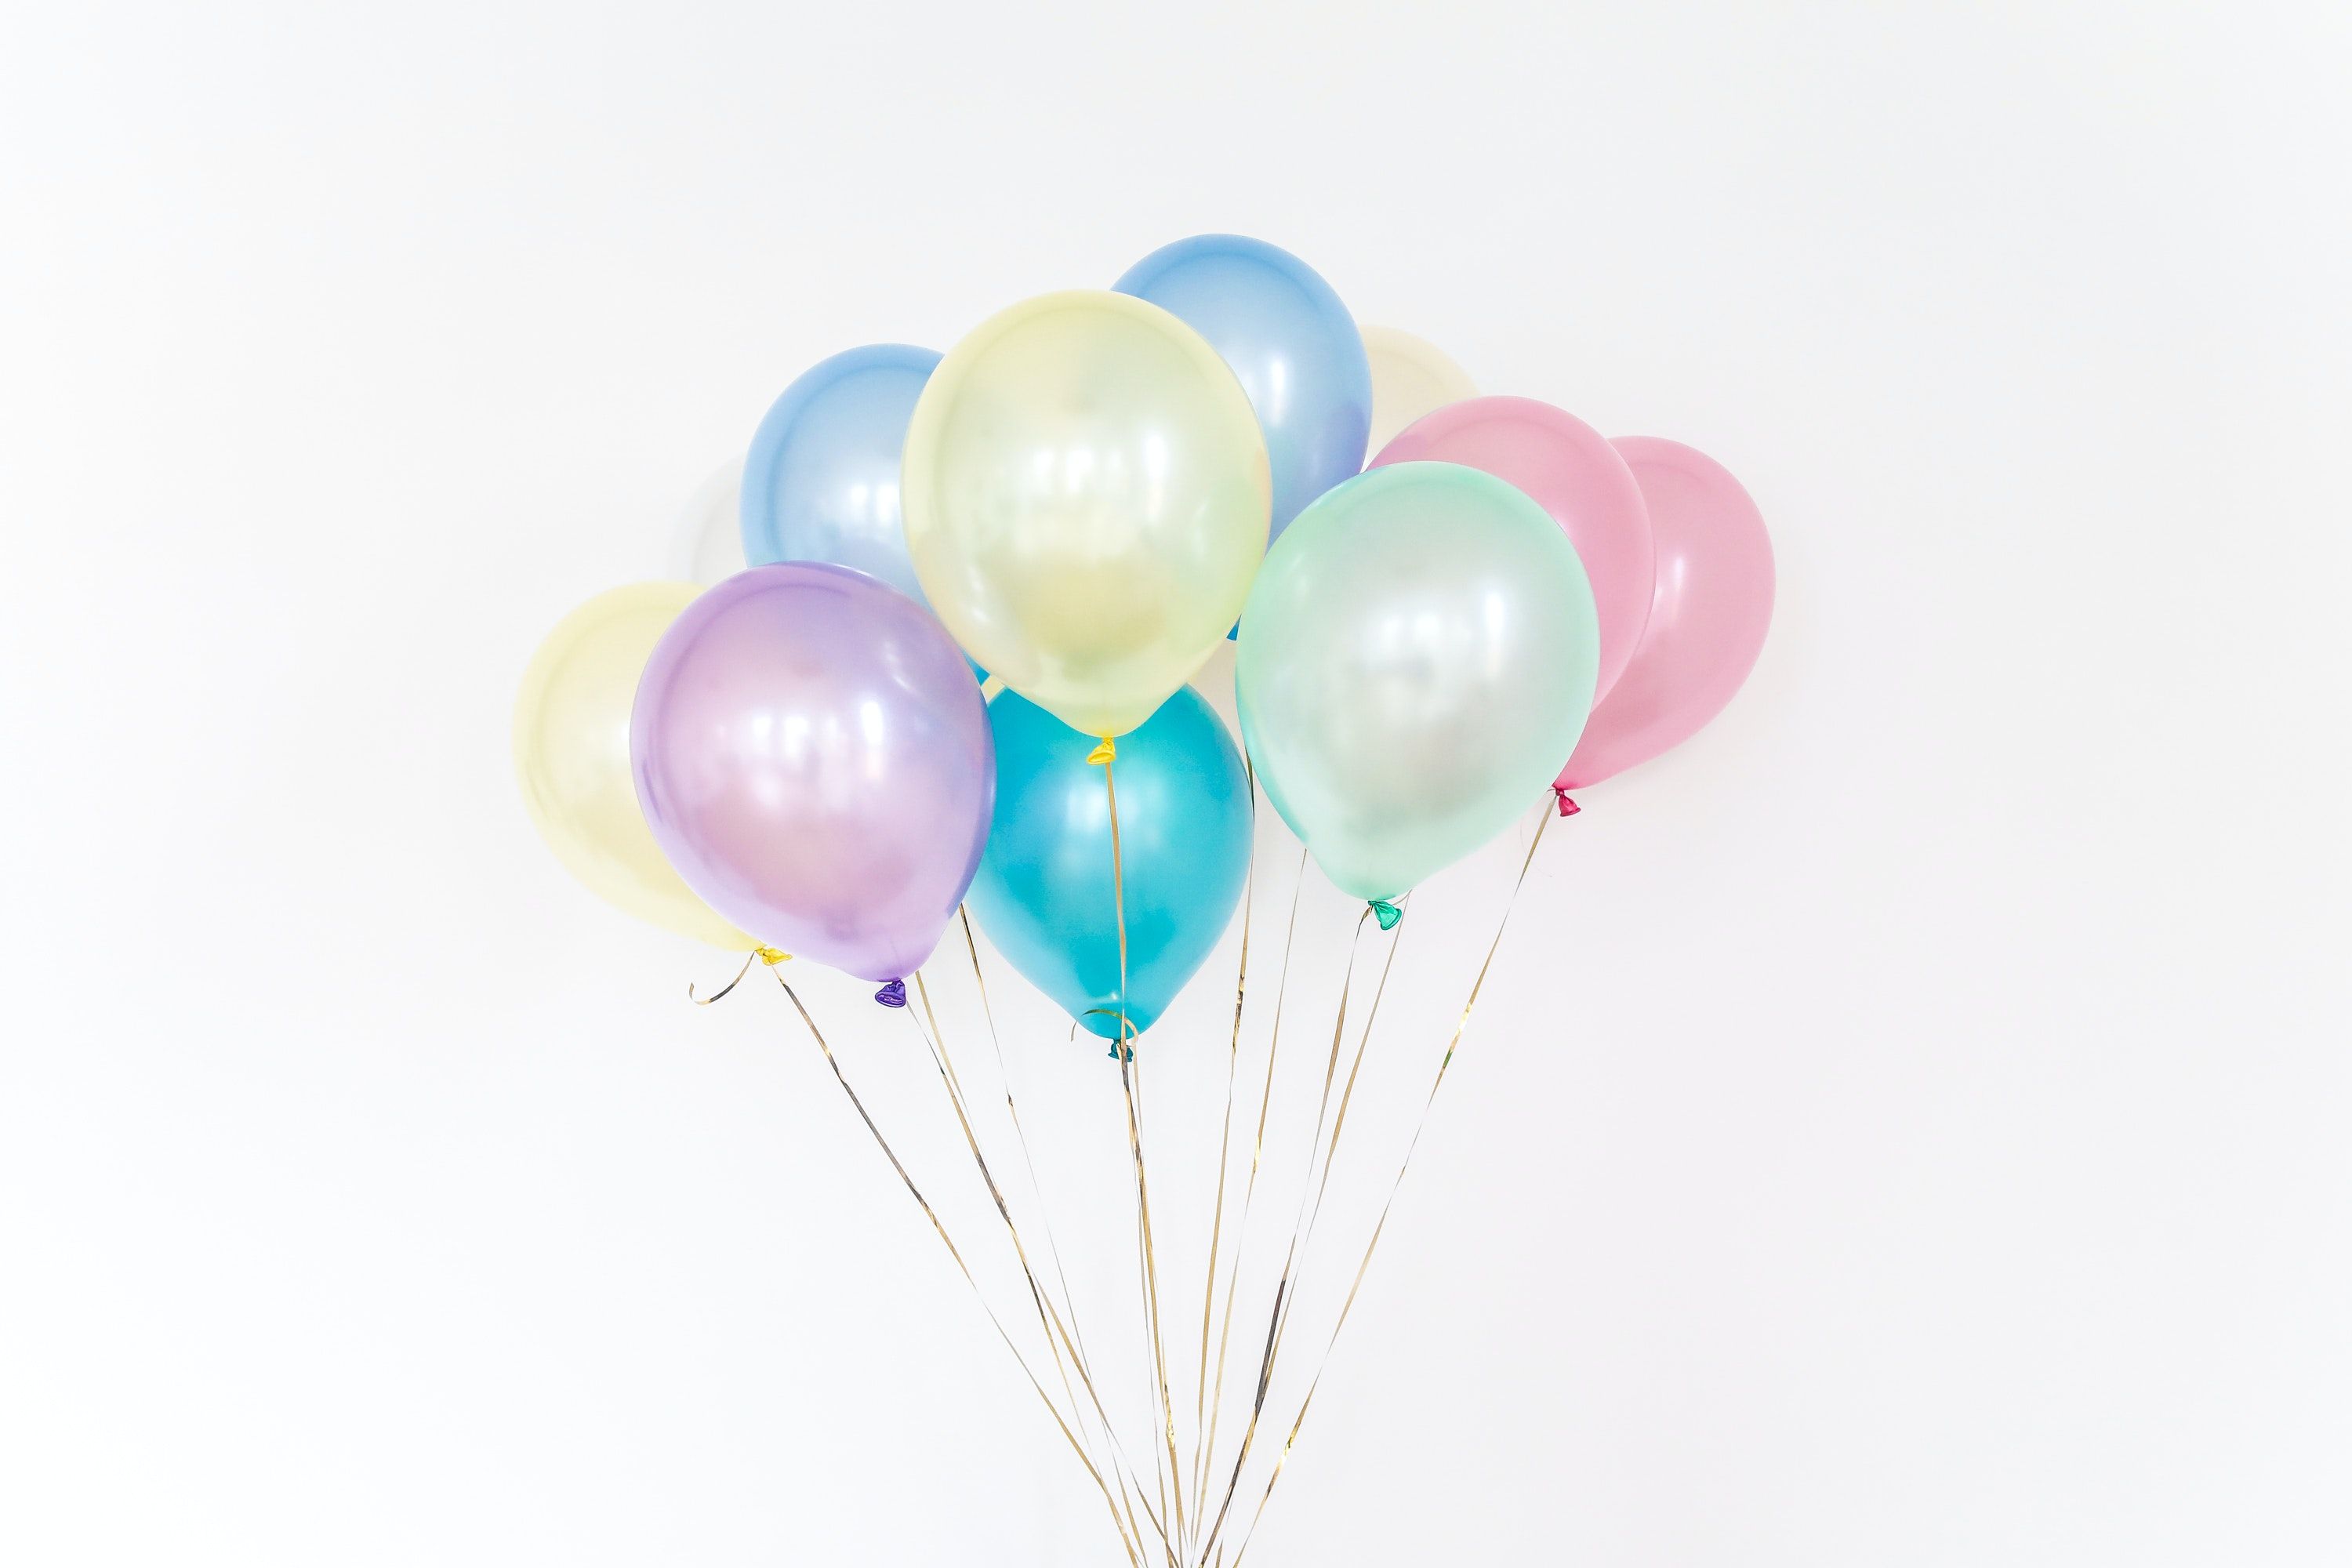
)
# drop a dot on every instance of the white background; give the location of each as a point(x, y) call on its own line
point(1908, 1125)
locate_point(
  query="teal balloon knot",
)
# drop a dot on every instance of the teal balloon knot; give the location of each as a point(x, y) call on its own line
point(1387, 913)
point(893, 993)
point(1122, 1051)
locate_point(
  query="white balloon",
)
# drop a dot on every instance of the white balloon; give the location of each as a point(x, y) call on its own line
point(1411, 377)
point(708, 544)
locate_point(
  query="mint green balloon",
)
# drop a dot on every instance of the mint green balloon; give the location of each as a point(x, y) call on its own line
point(1416, 661)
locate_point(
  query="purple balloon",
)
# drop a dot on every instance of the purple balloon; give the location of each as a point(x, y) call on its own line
point(813, 757)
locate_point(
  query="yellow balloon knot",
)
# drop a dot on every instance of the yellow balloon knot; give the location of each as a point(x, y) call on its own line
point(1105, 751)
point(772, 956)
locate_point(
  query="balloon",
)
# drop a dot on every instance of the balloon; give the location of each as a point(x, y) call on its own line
point(1707, 617)
point(1087, 499)
point(1045, 894)
point(571, 753)
point(1289, 338)
point(813, 757)
point(708, 546)
point(1570, 469)
point(1411, 377)
point(1419, 647)
point(820, 482)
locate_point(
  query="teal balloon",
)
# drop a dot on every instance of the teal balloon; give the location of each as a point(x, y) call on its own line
point(1417, 659)
point(1044, 893)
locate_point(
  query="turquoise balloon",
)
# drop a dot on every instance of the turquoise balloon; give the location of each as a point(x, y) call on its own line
point(1044, 893)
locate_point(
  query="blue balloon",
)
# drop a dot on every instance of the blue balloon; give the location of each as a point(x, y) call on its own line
point(1044, 893)
point(1290, 343)
point(821, 482)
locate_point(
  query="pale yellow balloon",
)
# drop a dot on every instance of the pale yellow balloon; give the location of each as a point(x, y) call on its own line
point(1087, 499)
point(1411, 377)
point(571, 753)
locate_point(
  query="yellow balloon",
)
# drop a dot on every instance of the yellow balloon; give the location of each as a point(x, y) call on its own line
point(1087, 499)
point(1410, 378)
point(571, 753)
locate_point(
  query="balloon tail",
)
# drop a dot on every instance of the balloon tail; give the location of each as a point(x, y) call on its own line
point(1387, 913)
point(893, 993)
point(1567, 806)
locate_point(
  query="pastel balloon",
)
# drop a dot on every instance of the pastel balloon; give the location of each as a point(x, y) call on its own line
point(1707, 617)
point(1085, 502)
point(821, 482)
point(1044, 893)
point(571, 755)
point(708, 544)
point(1411, 377)
point(1570, 469)
point(1290, 339)
point(812, 755)
point(1417, 649)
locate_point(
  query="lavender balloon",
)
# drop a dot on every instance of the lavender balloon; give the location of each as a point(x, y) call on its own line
point(815, 760)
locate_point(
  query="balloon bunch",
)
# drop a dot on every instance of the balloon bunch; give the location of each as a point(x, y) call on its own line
point(952, 671)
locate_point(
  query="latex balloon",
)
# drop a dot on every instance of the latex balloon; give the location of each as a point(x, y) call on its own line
point(1411, 377)
point(1707, 618)
point(1572, 472)
point(1417, 648)
point(813, 757)
point(571, 754)
point(1290, 339)
point(1085, 502)
point(708, 546)
point(1044, 893)
point(821, 482)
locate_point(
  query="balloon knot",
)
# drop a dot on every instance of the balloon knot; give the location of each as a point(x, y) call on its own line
point(1387, 913)
point(772, 956)
point(1122, 1052)
point(893, 993)
point(1105, 751)
point(1567, 806)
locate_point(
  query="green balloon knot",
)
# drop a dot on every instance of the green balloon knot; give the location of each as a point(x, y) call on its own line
point(1387, 913)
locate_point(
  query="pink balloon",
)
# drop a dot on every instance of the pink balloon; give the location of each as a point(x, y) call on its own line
point(1707, 620)
point(813, 757)
point(1569, 471)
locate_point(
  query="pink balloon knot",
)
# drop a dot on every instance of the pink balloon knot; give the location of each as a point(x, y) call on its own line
point(1567, 806)
point(892, 994)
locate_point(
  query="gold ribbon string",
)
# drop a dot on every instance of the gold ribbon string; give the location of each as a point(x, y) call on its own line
point(1249, 1192)
point(1224, 1144)
point(1279, 1315)
point(1079, 1352)
point(1460, 1026)
point(1107, 753)
point(1134, 1559)
point(1049, 1319)
point(767, 955)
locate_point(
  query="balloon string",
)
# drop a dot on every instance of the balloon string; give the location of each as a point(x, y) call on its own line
point(1130, 1078)
point(1224, 1145)
point(1276, 1317)
point(1460, 1026)
point(767, 955)
point(1049, 1320)
point(1037, 1187)
point(1249, 1192)
point(1134, 1559)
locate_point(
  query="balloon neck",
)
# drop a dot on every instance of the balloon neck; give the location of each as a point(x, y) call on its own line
point(893, 993)
point(1387, 913)
point(1567, 806)
point(1122, 1051)
point(772, 956)
point(1106, 751)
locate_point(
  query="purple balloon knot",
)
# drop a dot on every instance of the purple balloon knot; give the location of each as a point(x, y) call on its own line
point(1567, 806)
point(893, 993)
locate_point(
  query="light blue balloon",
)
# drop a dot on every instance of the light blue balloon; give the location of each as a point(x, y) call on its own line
point(1289, 341)
point(1044, 893)
point(820, 481)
